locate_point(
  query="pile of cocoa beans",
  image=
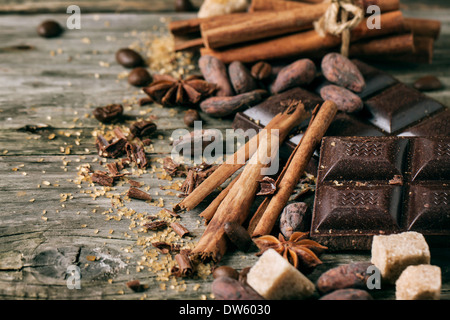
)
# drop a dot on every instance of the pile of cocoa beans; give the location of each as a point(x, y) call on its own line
point(240, 86)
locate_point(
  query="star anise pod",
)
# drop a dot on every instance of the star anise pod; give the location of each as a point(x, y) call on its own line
point(300, 251)
point(170, 92)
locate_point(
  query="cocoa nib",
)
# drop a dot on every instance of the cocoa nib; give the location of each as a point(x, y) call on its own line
point(267, 187)
point(109, 113)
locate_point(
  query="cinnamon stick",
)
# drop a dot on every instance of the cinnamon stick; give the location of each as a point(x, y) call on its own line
point(236, 205)
point(295, 168)
point(284, 122)
point(192, 26)
point(391, 45)
point(267, 24)
point(278, 5)
point(304, 44)
point(423, 27)
point(209, 212)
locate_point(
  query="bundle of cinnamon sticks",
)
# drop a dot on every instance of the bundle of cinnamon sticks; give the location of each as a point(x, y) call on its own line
point(280, 29)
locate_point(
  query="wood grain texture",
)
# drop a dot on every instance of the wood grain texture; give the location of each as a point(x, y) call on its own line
point(89, 6)
point(37, 87)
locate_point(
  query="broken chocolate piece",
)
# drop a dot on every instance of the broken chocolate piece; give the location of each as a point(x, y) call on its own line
point(102, 178)
point(109, 113)
point(267, 186)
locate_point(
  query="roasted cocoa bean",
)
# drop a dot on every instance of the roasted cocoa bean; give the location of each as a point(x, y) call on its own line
point(261, 70)
point(299, 73)
point(129, 58)
point(344, 99)
point(241, 79)
point(226, 288)
point(214, 71)
point(238, 235)
point(428, 83)
point(108, 113)
point(293, 218)
point(190, 116)
point(353, 275)
point(225, 271)
point(224, 106)
point(340, 70)
point(348, 294)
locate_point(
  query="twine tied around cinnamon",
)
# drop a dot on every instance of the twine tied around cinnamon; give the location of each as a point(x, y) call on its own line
point(329, 22)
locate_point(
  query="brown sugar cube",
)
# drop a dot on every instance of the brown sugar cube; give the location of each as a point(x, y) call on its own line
point(391, 254)
point(422, 282)
point(274, 278)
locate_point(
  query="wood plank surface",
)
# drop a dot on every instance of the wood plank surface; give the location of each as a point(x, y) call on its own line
point(48, 221)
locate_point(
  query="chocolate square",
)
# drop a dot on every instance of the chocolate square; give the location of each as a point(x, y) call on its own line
point(381, 185)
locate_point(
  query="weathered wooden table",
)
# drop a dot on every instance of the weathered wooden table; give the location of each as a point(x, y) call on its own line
point(49, 222)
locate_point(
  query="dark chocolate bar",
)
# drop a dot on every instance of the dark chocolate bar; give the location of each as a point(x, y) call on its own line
point(369, 186)
point(391, 108)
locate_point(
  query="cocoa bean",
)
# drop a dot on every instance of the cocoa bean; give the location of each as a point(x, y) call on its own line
point(428, 83)
point(344, 99)
point(241, 79)
point(190, 116)
point(238, 235)
point(224, 106)
point(226, 288)
point(340, 70)
point(243, 274)
point(214, 71)
point(225, 271)
point(293, 218)
point(299, 73)
point(348, 294)
point(353, 275)
point(261, 70)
